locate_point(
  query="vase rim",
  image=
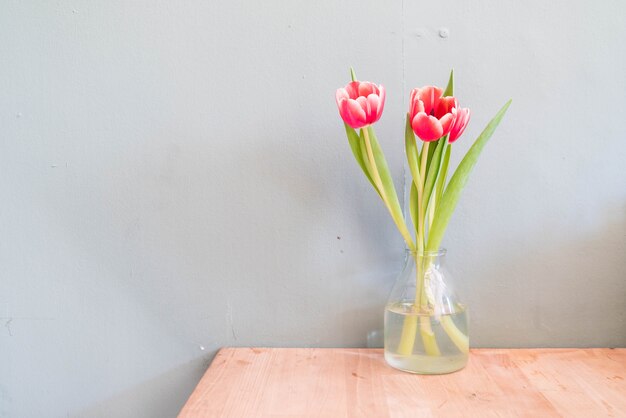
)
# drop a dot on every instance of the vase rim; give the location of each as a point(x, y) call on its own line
point(438, 253)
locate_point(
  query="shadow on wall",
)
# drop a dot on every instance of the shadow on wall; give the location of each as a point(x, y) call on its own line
point(157, 397)
point(146, 278)
point(524, 301)
point(151, 255)
point(338, 295)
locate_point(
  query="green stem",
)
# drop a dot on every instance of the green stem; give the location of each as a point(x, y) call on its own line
point(407, 339)
point(456, 335)
point(428, 337)
point(372, 161)
point(409, 327)
point(400, 224)
point(426, 331)
point(421, 239)
point(419, 285)
point(431, 209)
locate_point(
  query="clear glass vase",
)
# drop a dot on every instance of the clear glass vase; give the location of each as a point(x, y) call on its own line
point(426, 326)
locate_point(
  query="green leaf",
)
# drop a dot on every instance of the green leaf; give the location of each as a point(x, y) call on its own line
point(368, 164)
point(443, 173)
point(352, 74)
point(385, 177)
point(441, 180)
point(459, 179)
point(433, 171)
point(432, 146)
point(356, 146)
point(413, 207)
point(412, 153)
point(449, 91)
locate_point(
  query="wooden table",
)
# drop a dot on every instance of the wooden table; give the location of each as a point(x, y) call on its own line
point(319, 382)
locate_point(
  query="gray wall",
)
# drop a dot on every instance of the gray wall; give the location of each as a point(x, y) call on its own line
point(174, 179)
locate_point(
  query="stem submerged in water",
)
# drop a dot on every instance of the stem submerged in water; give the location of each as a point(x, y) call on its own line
point(428, 336)
point(423, 311)
point(420, 309)
point(407, 339)
point(458, 338)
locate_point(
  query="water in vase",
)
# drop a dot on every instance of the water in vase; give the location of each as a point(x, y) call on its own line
point(423, 343)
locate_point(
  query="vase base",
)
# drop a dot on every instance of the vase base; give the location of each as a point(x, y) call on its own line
point(424, 364)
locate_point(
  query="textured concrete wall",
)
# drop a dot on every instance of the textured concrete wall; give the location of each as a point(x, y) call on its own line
point(174, 178)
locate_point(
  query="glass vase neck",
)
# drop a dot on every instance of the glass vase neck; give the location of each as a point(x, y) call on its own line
point(438, 253)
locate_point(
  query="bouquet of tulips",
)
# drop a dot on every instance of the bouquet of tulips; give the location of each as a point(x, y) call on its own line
point(436, 121)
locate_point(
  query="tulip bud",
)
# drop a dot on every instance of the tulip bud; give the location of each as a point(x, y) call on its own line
point(432, 114)
point(360, 103)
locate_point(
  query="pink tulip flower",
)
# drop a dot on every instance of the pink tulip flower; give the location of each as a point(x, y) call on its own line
point(360, 103)
point(460, 122)
point(432, 114)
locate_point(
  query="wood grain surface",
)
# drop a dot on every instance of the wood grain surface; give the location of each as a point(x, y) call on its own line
point(324, 382)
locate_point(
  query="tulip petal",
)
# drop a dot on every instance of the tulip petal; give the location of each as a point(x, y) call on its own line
point(353, 89)
point(430, 96)
point(413, 99)
point(446, 122)
point(445, 105)
point(362, 101)
point(352, 113)
point(365, 89)
point(419, 107)
point(426, 127)
point(381, 95)
point(374, 103)
point(341, 94)
point(461, 121)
